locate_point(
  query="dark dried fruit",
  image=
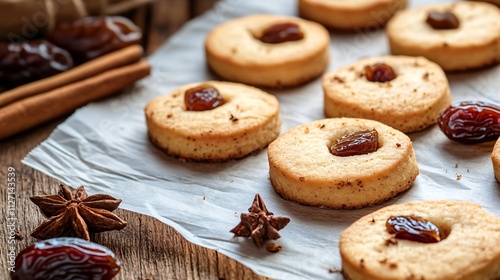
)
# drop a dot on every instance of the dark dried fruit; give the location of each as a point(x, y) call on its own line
point(380, 72)
point(202, 98)
point(65, 259)
point(471, 122)
point(413, 228)
point(281, 32)
point(442, 20)
point(22, 63)
point(356, 143)
point(92, 37)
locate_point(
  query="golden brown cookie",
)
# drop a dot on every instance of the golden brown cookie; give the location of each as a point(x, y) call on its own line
point(303, 168)
point(410, 102)
point(350, 15)
point(234, 50)
point(468, 248)
point(495, 158)
point(473, 44)
point(247, 121)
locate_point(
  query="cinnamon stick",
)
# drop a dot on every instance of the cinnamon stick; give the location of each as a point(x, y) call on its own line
point(32, 111)
point(94, 67)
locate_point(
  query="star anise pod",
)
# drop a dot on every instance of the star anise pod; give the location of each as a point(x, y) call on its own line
point(260, 224)
point(75, 214)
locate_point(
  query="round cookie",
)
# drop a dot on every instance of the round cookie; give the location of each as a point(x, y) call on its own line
point(468, 248)
point(302, 168)
point(248, 121)
point(234, 52)
point(495, 158)
point(410, 102)
point(474, 44)
point(350, 15)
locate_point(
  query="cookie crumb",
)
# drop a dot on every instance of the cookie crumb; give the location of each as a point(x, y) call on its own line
point(19, 235)
point(273, 247)
point(459, 176)
point(456, 164)
point(204, 197)
point(332, 269)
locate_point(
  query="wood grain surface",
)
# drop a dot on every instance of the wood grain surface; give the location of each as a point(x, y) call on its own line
point(147, 248)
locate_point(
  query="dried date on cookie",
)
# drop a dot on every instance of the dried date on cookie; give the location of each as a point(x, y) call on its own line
point(442, 20)
point(202, 98)
point(356, 143)
point(380, 72)
point(413, 228)
point(281, 32)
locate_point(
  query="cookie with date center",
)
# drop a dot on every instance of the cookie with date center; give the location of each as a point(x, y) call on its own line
point(239, 120)
point(464, 243)
point(495, 158)
point(457, 36)
point(350, 15)
point(304, 166)
point(268, 50)
point(408, 95)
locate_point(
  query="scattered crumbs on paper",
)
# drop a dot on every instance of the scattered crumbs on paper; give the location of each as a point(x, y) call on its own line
point(236, 214)
point(332, 269)
point(204, 197)
point(456, 164)
point(459, 176)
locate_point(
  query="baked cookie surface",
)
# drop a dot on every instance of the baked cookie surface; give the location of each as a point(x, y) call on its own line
point(410, 102)
point(495, 158)
point(468, 248)
point(303, 169)
point(234, 52)
point(247, 121)
point(474, 44)
point(350, 15)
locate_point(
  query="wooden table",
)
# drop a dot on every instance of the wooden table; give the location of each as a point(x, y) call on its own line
point(147, 248)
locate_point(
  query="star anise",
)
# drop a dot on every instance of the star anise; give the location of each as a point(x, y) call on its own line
point(75, 214)
point(260, 224)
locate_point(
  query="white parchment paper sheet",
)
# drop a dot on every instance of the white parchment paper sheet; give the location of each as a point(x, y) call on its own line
point(104, 146)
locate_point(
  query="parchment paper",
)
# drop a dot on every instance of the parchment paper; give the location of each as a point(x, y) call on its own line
point(104, 146)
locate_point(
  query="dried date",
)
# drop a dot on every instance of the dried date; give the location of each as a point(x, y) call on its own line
point(413, 228)
point(442, 20)
point(380, 72)
point(281, 32)
point(92, 37)
point(471, 122)
point(356, 143)
point(201, 98)
point(22, 63)
point(64, 259)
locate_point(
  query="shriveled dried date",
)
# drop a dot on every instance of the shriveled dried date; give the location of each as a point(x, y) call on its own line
point(92, 37)
point(201, 98)
point(380, 72)
point(281, 32)
point(356, 143)
point(65, 258)
point(442, 20)
point(471, 122)
point(413, 228)
point(25, 62)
